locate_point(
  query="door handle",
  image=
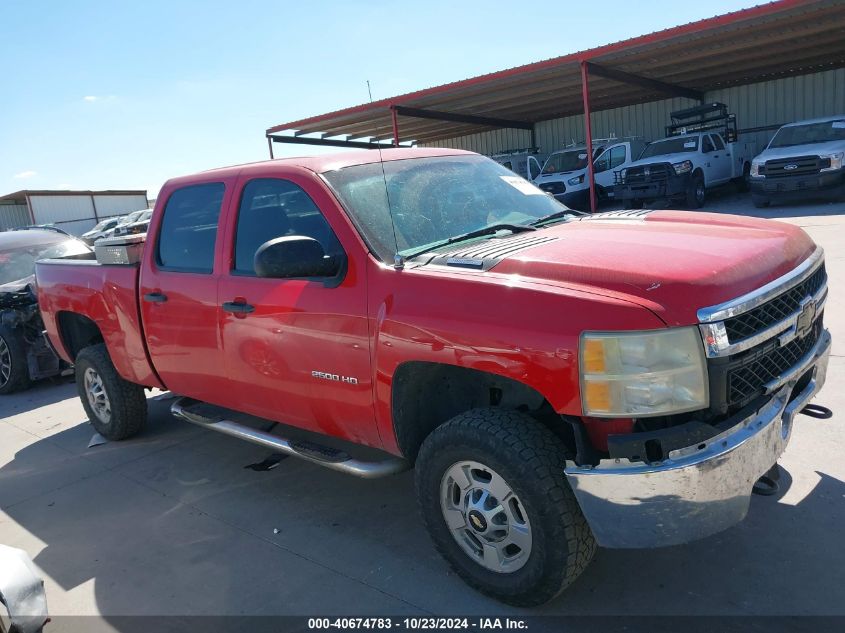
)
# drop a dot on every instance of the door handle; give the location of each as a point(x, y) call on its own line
point(238, 307)
point(155, 297)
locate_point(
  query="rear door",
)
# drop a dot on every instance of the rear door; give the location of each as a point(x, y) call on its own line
point(178, 289)
point(717, 161)
point(722, 158)
point(299, 352)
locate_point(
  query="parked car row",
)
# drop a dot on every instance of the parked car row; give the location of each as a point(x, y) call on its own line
point(701, 150)
point(130, 224)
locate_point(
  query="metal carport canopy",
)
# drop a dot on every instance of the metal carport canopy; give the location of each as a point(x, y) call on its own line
point(768, 41)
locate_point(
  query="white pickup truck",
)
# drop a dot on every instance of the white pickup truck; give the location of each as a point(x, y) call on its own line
point(683, 167)
point(805, 159)
point(565, 172)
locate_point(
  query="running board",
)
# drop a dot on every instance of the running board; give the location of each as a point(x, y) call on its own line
point(322, 455)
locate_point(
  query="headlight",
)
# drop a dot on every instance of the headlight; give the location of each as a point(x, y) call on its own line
point(622, 173)
point(575, 181)
point(682, 167)
point(835, 160)
point(643, 374)
point(755, 168)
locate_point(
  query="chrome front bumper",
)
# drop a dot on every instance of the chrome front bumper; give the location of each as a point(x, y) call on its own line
point(698, 490)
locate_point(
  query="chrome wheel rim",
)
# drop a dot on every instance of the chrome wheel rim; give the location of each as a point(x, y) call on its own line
point(485, 517)
point(699, 193)
point(5, 362)
point(97, 396)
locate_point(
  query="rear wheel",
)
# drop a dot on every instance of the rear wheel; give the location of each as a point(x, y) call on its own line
point(116, 407)
point(696, 193)
point(496, 503)
point(742, 183)
point(14, 371)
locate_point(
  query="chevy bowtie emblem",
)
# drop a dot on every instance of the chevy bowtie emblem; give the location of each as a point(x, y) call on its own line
point(804, 323)
point(790, 166)
point(647, 171)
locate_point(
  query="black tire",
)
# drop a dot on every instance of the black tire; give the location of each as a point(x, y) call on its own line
point(530, 458)
point(128, 404)
point(696, 194)
point(13, 361)
point(761, 202)
point(742, 183)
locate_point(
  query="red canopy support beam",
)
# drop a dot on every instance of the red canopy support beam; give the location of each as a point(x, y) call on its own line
point(395, 118)
point(588, 131)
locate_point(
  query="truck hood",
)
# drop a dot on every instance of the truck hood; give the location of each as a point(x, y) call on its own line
point(810, 149)
point(671, 262)
point(677, 157)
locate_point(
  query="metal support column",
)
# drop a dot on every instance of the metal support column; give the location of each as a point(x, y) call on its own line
point(270, 145)
point(395, 118)
point(588, 130)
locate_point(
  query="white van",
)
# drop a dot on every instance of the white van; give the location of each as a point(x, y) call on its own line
point(564, 174)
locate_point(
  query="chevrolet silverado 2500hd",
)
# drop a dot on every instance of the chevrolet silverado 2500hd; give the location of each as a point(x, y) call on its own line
point(558, 380)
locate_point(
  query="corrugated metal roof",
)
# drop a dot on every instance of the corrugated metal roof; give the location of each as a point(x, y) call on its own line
point(23, 193)
point(768, 41)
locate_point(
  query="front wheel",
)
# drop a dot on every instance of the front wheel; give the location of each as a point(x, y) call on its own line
point(695, 192)
point(116, 407)
point(14, 370)
point(495, 500)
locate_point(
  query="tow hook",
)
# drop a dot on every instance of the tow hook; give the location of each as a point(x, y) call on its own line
point(817, 411)
point(767, 485)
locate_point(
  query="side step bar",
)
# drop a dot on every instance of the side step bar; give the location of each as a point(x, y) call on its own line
point(321, 455)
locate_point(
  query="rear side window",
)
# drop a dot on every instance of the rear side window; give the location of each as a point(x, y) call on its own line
point(271, 208)
point(717, 141)
point(706, 144)
point(189, 228)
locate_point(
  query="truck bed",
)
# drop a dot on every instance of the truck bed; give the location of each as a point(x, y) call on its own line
point(105, 294)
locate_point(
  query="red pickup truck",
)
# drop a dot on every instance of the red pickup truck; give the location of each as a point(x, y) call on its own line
point(558, 380)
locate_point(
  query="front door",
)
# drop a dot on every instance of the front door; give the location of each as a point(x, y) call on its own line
point(296, 350)
point(179, 292)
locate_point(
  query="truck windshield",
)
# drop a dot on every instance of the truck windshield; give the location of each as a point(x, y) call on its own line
point(809, 133)
point(671, 146)
point(566, 161)
point(433, 199)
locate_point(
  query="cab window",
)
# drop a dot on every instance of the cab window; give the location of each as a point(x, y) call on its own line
point(706, 144)
point(717, 141)
point(271, 208)
point(617, 156)
point(189, 229)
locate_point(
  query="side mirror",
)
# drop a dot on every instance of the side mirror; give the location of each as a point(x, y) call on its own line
point(293, 256)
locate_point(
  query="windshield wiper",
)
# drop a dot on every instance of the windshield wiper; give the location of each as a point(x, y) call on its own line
point(487, 230)
point(555, 216)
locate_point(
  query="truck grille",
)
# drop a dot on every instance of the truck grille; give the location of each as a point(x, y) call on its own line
point(554, 188)
point(776, 310)
point(798, 166)
point(749, 373)
point(658, 172)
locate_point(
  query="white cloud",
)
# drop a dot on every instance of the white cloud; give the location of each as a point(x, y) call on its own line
point(90, 98)
point(64, 185)
point(26, 174)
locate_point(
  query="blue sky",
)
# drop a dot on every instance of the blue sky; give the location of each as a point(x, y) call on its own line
point(124, 95)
